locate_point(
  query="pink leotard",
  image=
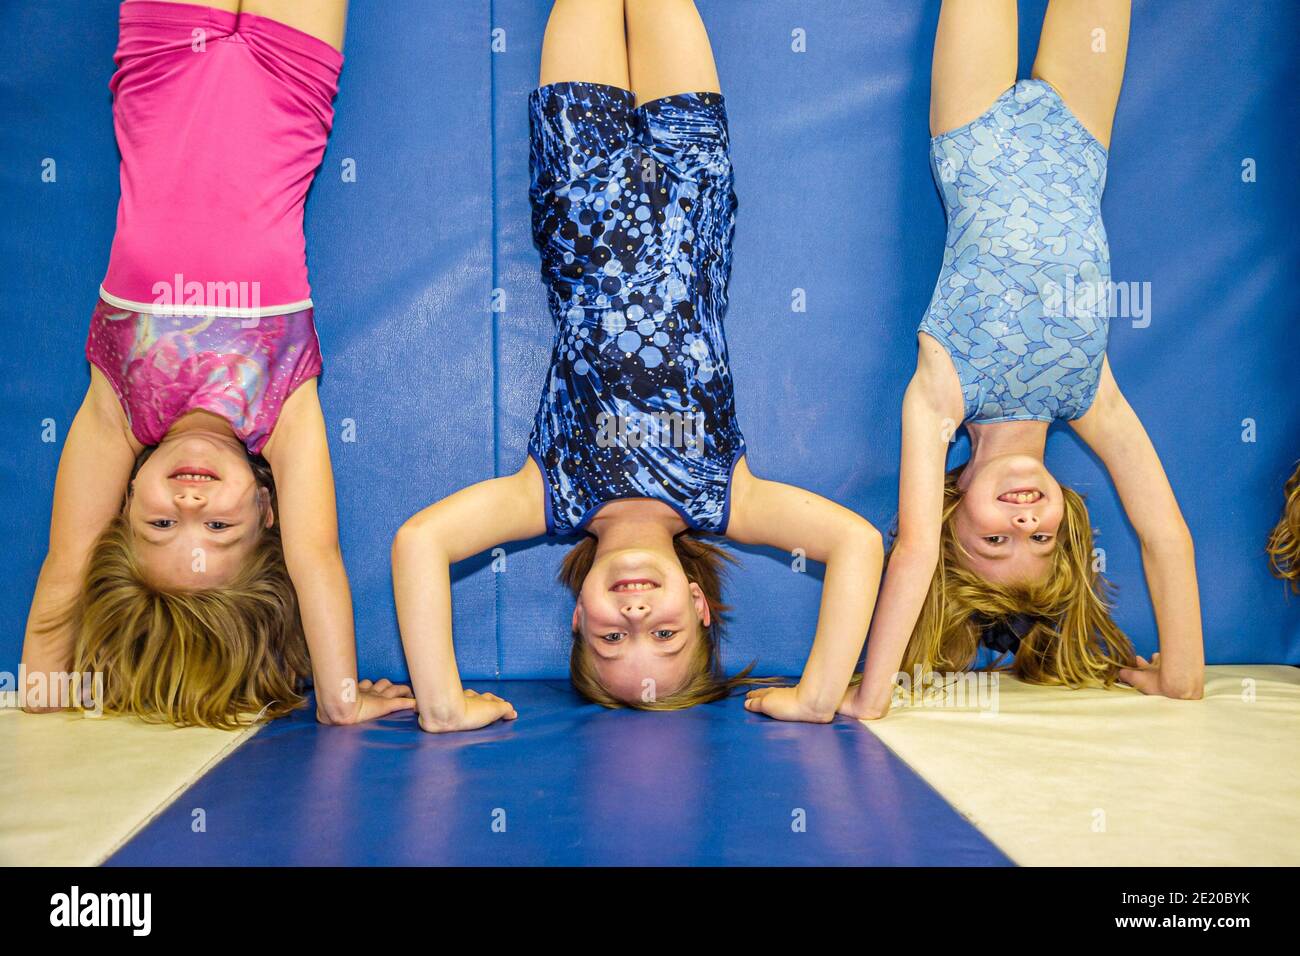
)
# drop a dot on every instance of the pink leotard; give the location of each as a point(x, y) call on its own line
point(164, 366)
point(221, 122)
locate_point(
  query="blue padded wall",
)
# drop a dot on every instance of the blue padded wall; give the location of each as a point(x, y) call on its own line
point(830, 149)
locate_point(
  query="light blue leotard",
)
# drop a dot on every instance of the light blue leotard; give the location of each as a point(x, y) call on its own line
point(1021, 301)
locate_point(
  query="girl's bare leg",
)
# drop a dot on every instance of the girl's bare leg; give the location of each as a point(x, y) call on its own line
point(323, 19)
point(668, 50)
point(975, 50)
point(585, 42)
point(1081, 52)
point(230, 6)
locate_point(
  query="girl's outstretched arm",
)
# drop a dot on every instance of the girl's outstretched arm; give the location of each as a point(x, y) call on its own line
point(94, 469)
point(1114, 432)
point(462, 525)
point(790, 518)
point(931, 415)
point(300, 461)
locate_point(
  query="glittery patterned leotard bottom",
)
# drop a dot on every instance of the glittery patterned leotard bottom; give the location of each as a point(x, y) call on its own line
point(242, 369)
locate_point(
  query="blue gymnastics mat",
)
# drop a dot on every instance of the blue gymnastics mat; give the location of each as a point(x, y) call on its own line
point(567, 784)
point(435, 332)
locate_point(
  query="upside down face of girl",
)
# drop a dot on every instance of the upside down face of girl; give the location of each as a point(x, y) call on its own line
point(1008, 518)
point(641, 621)
point(195, 509)
point(1067, 635)
point(187, 607)
point(647, 624)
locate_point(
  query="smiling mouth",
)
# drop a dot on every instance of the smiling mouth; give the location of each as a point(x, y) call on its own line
point(189, 474)
point(1022, 496)
point(628, 585)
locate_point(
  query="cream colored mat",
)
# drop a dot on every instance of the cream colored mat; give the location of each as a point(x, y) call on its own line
point(1093, 777)
point(73, 789)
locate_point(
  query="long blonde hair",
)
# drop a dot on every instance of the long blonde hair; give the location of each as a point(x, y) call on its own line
point(211, 657)
point(704, 563)
point(1284, 542)
point(1072, 641)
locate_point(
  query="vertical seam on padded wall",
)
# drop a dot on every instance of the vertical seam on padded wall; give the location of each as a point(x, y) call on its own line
point(496, 352)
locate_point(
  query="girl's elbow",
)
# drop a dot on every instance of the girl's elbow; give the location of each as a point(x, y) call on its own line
point(405, 542)
point(861, 542)
point(870, 540)
point(412, 541)
point(875, 544)
point(64, 566)
point(921, 553)
point(1174, 539)
point(304, 556)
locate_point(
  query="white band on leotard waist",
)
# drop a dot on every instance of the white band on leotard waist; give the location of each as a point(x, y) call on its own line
point(155, 308)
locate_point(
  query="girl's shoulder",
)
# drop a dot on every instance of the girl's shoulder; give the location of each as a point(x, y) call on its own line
point(106, 405)
point(936, 384)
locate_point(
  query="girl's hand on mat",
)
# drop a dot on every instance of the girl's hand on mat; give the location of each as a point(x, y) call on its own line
point(373, 700)
point(1149, 679)
point(1145, 677)
point(857, 706)
point(784, 703)
point(479, 711)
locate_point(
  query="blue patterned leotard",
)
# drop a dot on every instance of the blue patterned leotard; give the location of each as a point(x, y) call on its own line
point(633, 212)
point(1021, 301)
